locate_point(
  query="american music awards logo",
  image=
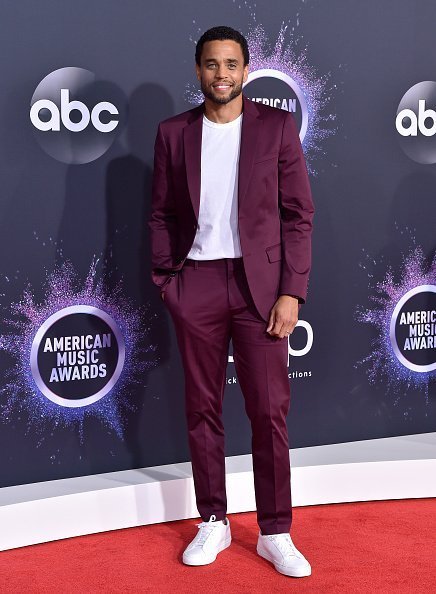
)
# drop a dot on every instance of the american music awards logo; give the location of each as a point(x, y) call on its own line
point(77, 355)
point(277, 89)
point(281, 76)
point(413, 329)
point(404, 316)
point(76, 352)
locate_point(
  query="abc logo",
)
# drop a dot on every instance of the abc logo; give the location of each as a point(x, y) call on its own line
point(66, 108)
point(76, 118)
point(416, 122)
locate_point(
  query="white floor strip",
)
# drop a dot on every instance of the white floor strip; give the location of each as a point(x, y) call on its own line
point(380, 469)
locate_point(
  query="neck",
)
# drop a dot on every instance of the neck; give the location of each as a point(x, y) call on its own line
point(223, 113)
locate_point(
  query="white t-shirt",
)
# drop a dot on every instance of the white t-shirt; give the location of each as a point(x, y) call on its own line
point(217, 233)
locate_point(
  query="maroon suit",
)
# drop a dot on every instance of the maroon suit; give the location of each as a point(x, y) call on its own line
point(213, 301)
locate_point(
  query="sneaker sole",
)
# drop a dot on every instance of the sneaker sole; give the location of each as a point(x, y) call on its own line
point(222, 546)
point(303, 572)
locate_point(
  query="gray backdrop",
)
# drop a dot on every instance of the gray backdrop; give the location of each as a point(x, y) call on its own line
point(372, 202)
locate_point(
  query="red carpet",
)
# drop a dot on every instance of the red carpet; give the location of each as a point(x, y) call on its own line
point(374, 547)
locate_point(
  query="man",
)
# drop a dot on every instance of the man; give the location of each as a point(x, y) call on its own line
point(230, 234)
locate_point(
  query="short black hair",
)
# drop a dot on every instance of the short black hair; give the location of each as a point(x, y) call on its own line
point(220, 34)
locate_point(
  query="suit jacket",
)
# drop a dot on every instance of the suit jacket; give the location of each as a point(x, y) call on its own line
point(275, 208)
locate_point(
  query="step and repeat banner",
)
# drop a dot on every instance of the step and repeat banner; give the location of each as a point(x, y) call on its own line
point(91, 377)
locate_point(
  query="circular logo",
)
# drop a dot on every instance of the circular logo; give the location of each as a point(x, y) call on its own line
point(76, 118)
point(413, 329)
point(416, 122)
point(77, 355)
point(278, 89)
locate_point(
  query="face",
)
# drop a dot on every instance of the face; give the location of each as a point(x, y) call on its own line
point(222, 71)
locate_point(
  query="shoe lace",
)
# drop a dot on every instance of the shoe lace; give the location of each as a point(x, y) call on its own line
point(205, 528)
point(285, 545)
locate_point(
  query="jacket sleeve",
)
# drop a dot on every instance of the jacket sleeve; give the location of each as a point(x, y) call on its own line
point(296, 213)
point(163, 219)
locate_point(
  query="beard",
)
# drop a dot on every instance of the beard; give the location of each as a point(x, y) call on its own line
point(235, 91)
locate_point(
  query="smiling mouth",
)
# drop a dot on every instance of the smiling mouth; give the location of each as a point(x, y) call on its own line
point(222, 86)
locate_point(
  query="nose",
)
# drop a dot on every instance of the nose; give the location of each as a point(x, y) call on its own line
point(220, 71)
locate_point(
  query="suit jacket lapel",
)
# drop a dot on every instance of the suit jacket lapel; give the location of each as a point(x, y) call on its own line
point(192, 134)
point(251, 127)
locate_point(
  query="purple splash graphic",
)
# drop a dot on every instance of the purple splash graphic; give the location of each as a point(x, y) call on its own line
point(287, 56)
point(382, 362)
point(19, 393)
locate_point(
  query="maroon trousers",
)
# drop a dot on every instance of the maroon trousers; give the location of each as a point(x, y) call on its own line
point(210, 303)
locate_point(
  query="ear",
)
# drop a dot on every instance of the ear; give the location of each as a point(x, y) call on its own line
point(245, 76)
point(197, 70)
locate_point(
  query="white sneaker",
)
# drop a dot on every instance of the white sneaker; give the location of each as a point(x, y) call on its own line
point(213, 537)
point(281, 551)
